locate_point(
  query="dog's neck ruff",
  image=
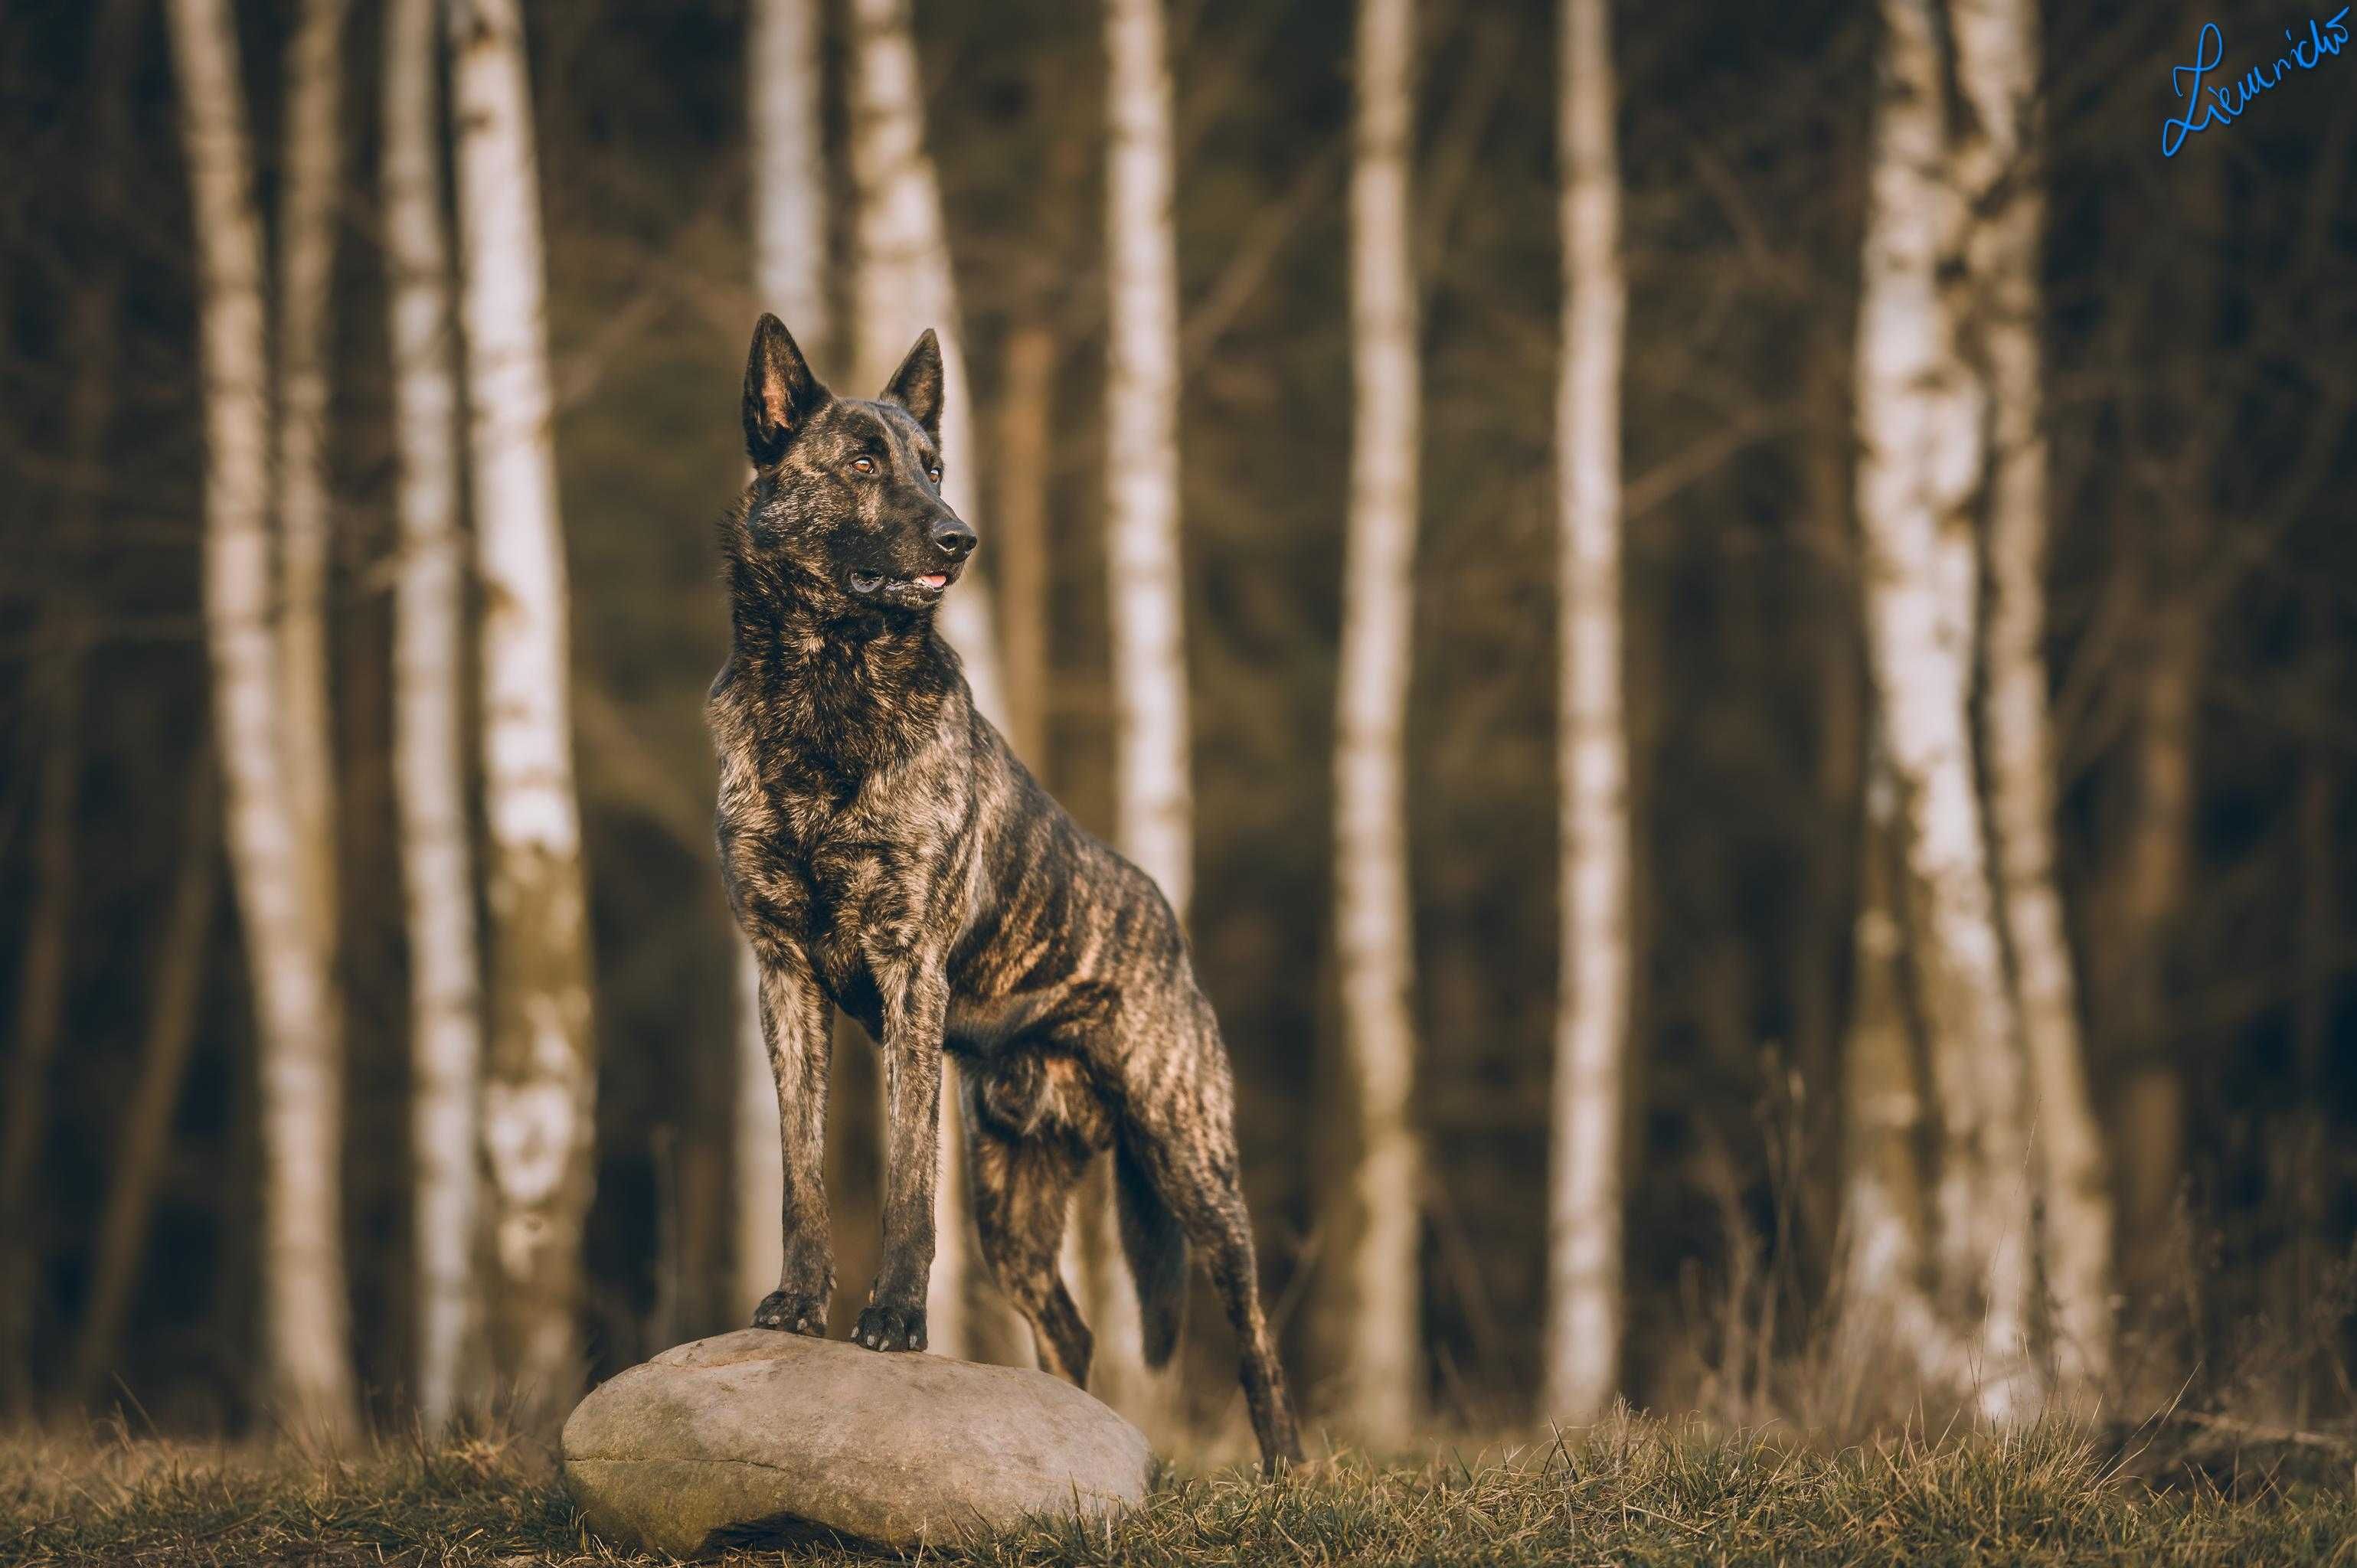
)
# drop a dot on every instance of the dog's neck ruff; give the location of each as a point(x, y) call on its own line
point(851, 684)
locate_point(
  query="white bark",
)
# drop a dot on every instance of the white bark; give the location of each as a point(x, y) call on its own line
point(429, 716)
point(1375, 942)
point(1919, 411)
point(1584, 1230)
point(538, 1121)
point(1996, 69)
point(760, 1179)
point(903, 284)
point(307, 1316)
point(307, 262)
point(949, 1311)
point(1154, 805)
point(1886, 1310)
point(1154, 800)
point(790, 256)
point(790, 250)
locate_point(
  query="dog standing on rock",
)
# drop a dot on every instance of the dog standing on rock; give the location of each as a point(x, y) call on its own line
point(885, 854)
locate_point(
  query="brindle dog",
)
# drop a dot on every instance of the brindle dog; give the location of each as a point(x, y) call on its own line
point(886, 853)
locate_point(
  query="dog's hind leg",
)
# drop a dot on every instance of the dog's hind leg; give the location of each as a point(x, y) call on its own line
point(1183, 1136)
point(1156, 1247)
point(1022, 1188)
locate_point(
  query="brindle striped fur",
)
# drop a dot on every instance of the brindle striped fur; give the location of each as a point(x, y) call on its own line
point(885, 854)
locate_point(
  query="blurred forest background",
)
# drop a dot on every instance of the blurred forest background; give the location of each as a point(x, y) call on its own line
point(2195, 318)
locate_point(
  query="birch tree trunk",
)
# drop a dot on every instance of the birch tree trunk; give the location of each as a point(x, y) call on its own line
point(759, 1253)
point(429, 718)
point(790, 260)
point(538, 1105)
point(1996, 56)
point(1153, 801)
point(1375, 938)
point(1920, 413)
point(306, 1331)
point(790, 232)
point(313, 160)
point(1886, 1304)
point(1584, 1239)
point(903, 284)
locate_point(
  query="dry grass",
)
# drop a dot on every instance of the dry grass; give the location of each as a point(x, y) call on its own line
point(1637, 1491)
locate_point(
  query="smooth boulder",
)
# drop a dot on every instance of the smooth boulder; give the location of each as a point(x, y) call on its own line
point(760, 1437)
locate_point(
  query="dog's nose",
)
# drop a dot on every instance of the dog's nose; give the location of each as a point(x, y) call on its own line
point(954, 539)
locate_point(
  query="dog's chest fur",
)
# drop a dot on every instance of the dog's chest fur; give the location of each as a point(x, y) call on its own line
point(844, 823)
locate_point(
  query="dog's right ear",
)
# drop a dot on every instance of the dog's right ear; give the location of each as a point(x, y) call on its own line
point(780, 393)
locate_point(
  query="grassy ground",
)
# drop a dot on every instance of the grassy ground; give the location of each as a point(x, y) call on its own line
point(1640, 1492)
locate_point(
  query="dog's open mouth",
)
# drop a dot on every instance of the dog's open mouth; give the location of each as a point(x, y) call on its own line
point(921, 589)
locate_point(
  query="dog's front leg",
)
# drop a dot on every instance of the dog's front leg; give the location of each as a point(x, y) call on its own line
point(794, 1020)
point(914, 1012)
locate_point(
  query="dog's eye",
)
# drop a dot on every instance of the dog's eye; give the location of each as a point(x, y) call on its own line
point(935, 473)
point(864, 465)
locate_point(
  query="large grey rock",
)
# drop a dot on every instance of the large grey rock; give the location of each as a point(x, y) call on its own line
point(761, 1436)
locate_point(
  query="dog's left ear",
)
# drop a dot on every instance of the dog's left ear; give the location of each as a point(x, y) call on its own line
point(780, 393)
point(917, 384)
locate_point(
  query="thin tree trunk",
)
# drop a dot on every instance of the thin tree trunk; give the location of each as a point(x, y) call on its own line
point(312, 157)
point(1919, 411)
point(42, 981)
point(1886, 1306)
point(307, 1316)
point(1023, 466)
point(790, 268)
point(43, 976)
point(2152, 875)
point(904, 284)
point(760, 1180)
point(1154, 798)
point(1026, 404)
point(1584, 1239)
point(789, 228)
point(429, 727)
point(143, 1147)
point(538, 1119)
point(1997, 52)
point(1830, 945)
point(1375, 937)
point(2148, 872)
point(1023, 462)
point(2312, 1185)
point(1153, 801)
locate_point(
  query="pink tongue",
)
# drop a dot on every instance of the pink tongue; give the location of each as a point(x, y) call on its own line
point(935, 579)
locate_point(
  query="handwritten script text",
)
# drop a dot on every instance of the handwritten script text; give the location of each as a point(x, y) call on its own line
point(2224, 105)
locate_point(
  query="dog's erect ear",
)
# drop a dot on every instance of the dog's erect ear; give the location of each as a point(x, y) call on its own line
point(917, 384)
point(780, 393)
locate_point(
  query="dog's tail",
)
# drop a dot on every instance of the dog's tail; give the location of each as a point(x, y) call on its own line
point(1157, 1249)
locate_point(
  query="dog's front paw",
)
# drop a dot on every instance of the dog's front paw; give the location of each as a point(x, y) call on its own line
point(794, 1313)
point(891, 1329)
